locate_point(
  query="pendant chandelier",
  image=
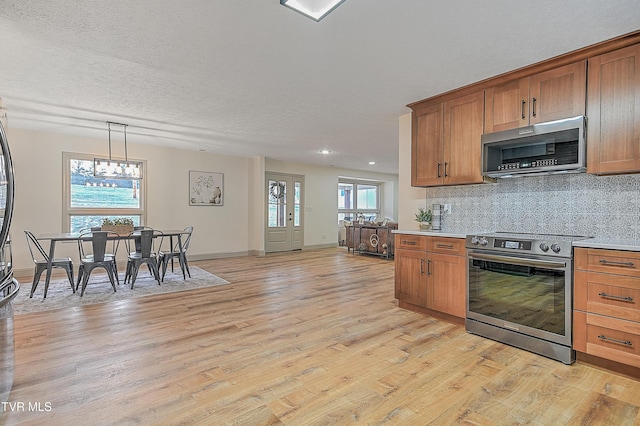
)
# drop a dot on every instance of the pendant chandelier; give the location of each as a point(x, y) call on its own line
point(117, 169)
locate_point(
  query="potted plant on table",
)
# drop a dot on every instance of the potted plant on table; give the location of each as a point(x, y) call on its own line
point(120, 225)
point(424, 217)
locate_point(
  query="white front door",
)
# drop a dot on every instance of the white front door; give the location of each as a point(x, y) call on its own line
point(284, 230)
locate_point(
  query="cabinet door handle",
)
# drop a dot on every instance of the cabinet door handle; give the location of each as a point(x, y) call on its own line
point(439, 169)
point(613, 296)
point(445, 169)
point(408, 243)
point(447, 246)
point(428, 267)
point(610, 339)
point(609, 262)
point(523, 104)
point(421, 266)
point(533, 107)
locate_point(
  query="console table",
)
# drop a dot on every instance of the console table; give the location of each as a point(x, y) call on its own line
point(371, 239)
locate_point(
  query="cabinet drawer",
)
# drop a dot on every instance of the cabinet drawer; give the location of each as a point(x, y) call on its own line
point(411, 242)
point(446, 245)
point(613, 339)
point(612, 295)
point(609, 261)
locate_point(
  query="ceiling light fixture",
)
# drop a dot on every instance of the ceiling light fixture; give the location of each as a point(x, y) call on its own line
point(325, 152)
point(314, 9)
point(115, 169)
point(372, 163)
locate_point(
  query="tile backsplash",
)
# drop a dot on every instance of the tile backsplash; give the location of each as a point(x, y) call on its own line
point(576, 204)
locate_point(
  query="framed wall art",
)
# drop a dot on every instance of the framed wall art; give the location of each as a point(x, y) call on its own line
point(206, 188)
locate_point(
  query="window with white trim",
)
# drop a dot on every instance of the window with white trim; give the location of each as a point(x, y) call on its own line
point(89, 199)
point(356, 196)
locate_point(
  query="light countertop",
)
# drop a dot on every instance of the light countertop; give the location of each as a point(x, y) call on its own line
point(601, 243)
point(609, 243)
point(431, 233)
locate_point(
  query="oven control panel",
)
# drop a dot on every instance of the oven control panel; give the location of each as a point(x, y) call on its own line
point(512, 244)
point(538, 244)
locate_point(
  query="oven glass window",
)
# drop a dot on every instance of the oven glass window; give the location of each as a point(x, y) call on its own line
point(524, 295)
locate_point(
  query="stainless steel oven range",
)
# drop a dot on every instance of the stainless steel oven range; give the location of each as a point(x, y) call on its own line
point(519, 289)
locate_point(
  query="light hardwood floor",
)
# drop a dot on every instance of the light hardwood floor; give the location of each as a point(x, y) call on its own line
point(302, 338)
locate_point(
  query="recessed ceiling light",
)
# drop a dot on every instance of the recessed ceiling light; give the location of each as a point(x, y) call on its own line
point(325, 152)
point(314, 9)
point(371, 163)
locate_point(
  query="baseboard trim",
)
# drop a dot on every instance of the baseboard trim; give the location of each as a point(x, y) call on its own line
point(320, 246)
point(210, 256)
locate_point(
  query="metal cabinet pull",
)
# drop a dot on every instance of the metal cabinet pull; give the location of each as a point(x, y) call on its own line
point(421, 266)
point(445, 169)
point(613, 296)
point(523, 104)
point(533, 107)
point(439, 169)
point(428, 267)
point(610, 339)
point(408, 243)
point(447, 246)
point(609, 262)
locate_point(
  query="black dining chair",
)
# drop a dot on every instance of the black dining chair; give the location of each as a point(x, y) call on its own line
point(42, 261)
point(179, 250)
point(137, 240)
point(92, 248)
point(112, 245)
point(143, 247)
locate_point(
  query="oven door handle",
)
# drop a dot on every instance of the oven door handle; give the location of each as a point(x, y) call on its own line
point(519, 261)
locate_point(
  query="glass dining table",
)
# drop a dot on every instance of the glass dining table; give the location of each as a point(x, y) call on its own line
point(73, 236)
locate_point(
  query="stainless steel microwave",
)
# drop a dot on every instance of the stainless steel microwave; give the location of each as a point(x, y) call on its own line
point(554, 147)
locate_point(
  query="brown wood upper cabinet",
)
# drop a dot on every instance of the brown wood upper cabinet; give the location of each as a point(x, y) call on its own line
point(613, 108)
point(546, 96)
point(426, 146)
point(445, 148)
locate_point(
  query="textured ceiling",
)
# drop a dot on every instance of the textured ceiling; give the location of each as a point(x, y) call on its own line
point(251, 77)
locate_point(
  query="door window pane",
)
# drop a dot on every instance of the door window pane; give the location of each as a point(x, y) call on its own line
point(296, 203)
point(277, 203)
point(296, 215)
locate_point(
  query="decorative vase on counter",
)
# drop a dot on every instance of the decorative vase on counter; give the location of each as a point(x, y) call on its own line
point(424, 226)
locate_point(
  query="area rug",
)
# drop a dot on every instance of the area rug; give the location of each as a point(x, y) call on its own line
point(99, 289)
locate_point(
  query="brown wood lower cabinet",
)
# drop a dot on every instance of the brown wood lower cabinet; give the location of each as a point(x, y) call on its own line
point(430, 274)
point(606, 318)
point(411, 276)
point(446, 289)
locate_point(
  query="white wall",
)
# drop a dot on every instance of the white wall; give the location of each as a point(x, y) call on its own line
point(321, 197)
point(257, 205)
point(409, 198)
